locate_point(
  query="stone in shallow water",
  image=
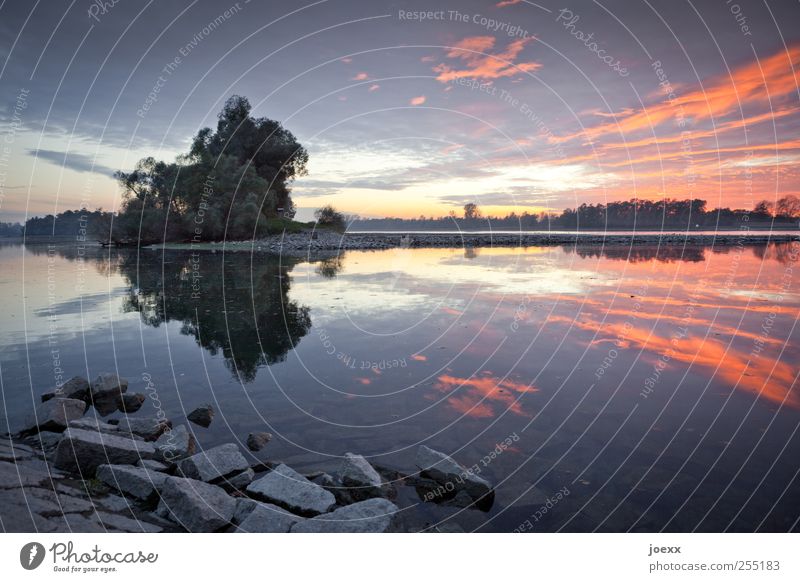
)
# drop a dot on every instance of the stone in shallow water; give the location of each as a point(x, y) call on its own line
point(131, 402)
point(370, 516)
point(84, 451)
point(134, 481)
point(106, 393)
point(54, 415)
point(175, 444)
point(196, 505)
point(288, 488)
point(148, 428)
point(215, 463)
point(258, 440)
point(448, 473)
point(202, 415)
point(360, 477)
point(268, 518)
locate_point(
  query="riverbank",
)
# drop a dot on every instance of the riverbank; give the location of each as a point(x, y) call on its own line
point(327, 241)
point(66, 470)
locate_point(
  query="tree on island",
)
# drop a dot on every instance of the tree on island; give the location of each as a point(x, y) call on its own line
point(471, 211)
point(230, 185)
point(329, 217)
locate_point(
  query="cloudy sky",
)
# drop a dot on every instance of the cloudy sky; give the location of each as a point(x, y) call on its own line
point(408, 107)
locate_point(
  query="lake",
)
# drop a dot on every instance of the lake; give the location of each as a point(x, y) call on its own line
point(640, 388)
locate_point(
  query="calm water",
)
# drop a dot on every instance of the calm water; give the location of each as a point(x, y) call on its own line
point(654, 390)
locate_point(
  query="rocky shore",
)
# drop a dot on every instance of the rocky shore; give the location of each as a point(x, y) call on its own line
point(327, 241)
point(66, 471)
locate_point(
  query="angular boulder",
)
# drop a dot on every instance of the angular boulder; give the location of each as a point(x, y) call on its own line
point(85, 450)
point(135, 481)
point(361, 479)
point(286, 487)
point(175, 444)
point(195, 505)
point(370, 516)
point(447, 472)
point(54, 415)
point(214, 464)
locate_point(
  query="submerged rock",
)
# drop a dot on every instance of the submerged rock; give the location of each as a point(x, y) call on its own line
point(195, 505)
point(370, 516)
point(202, 416)
point(106, 393)
point(288, 488)
point(258, 440)
point(83, 451)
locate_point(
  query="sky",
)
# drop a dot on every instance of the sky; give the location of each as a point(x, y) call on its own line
point(411, 108)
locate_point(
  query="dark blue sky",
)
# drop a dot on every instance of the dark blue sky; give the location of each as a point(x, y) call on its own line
point(514, 105)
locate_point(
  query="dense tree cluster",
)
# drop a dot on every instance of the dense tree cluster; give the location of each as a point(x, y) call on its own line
point(230, 185)
point(72, 223)
point(12, 229)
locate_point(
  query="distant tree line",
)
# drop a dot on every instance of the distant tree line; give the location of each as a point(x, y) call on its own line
point(668, 213)
point(13, 229)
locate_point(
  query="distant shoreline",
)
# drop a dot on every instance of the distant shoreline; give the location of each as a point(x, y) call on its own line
point(304, 243)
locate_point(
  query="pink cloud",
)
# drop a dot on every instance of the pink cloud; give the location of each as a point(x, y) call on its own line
point(374, 87)
point(361, 77)
point(479, 65)
point(418, 100)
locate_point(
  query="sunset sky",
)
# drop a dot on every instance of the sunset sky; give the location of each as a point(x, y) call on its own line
point(513, 105)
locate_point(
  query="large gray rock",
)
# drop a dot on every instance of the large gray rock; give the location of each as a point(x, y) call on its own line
point(370, 516)
point(148, 428)
point(54, 415)
point(134, 481)
point(195, 505)
point(359, 477)
point(94, 424)
point(153, 465)
point(288, 488)
point(126, 524)
point(175, 444)
point(268, 518)
point(448, 473)
point(214, 464)
point(85, 450)
point(238, 482)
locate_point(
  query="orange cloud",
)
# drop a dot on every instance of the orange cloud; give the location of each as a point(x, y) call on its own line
point(418, 100)
point(374, 87)
point(479, 65)
point(361, 77)
point(473, 396)
point(507, 3)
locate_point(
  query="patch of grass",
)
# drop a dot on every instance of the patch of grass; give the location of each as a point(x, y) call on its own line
point(278, 225)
